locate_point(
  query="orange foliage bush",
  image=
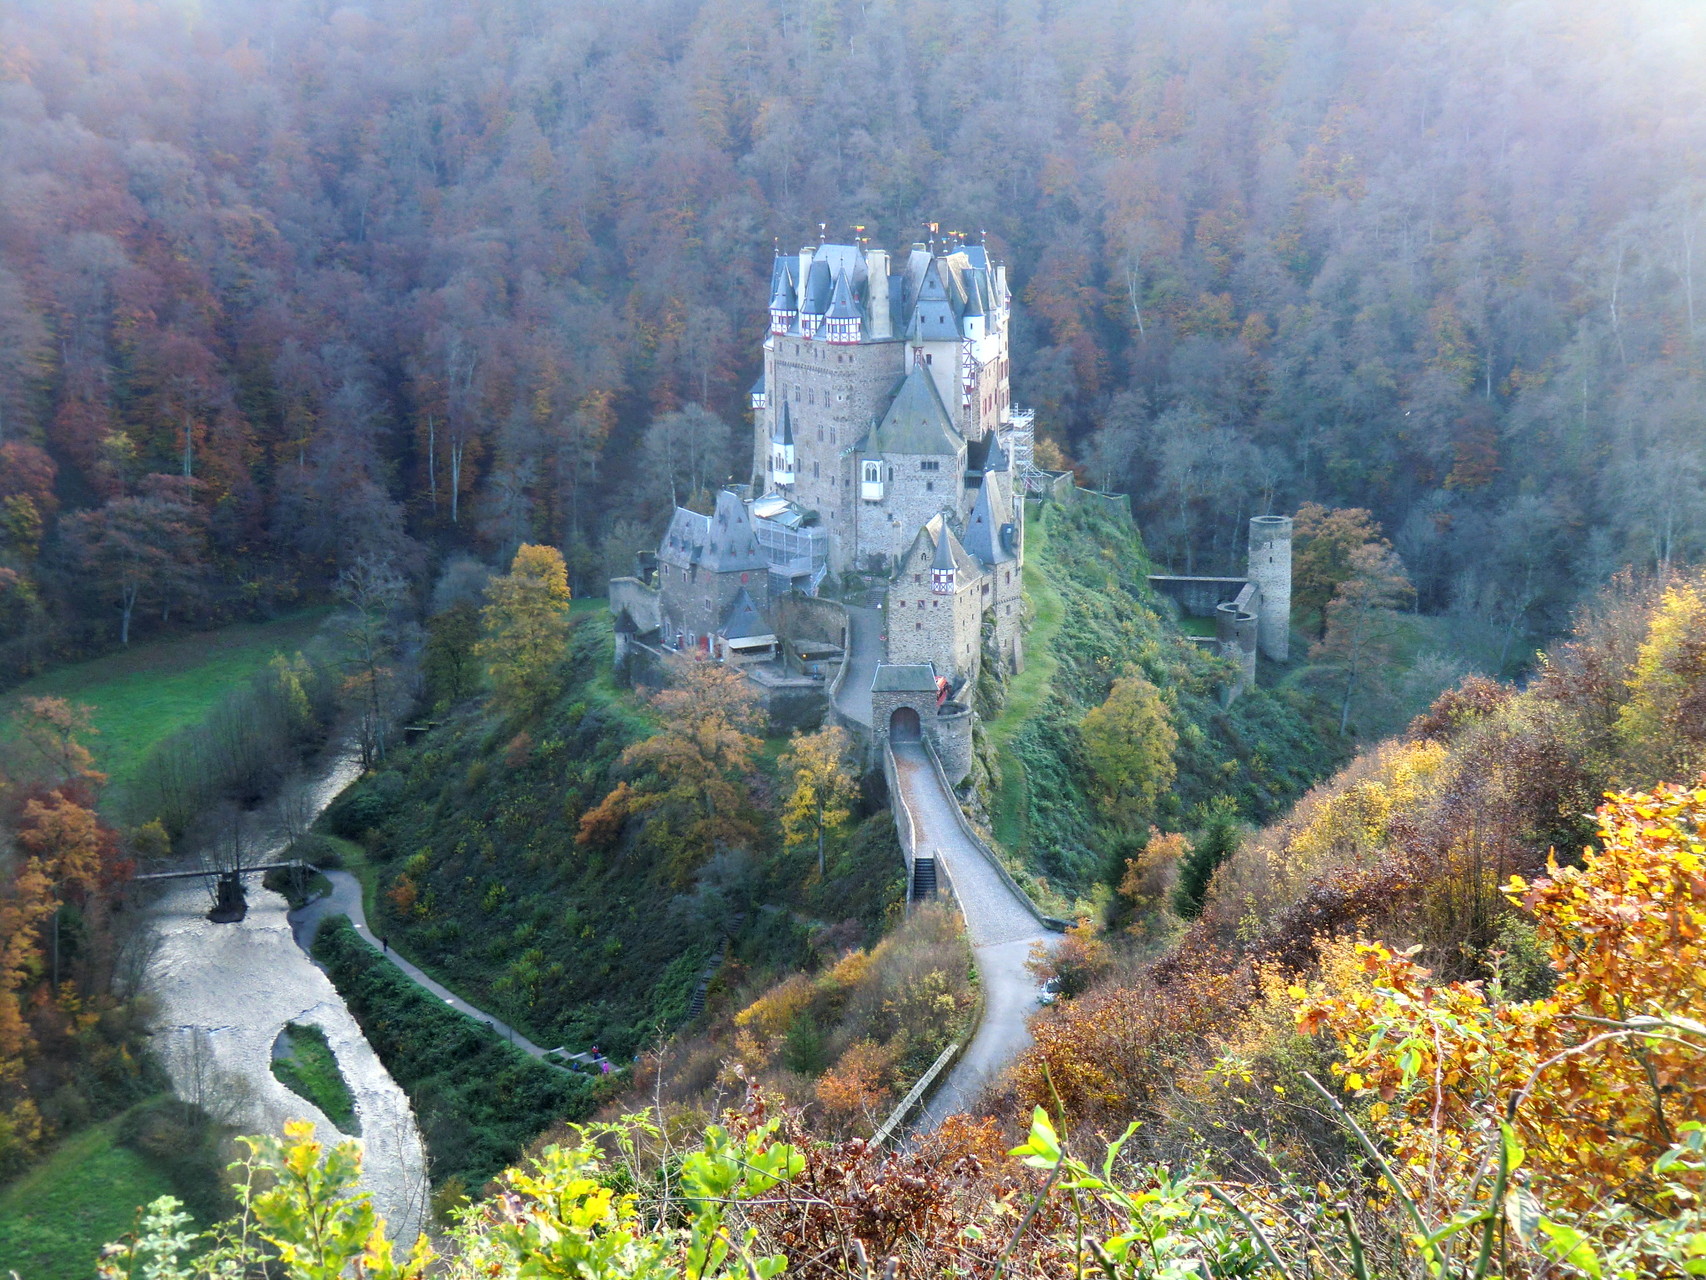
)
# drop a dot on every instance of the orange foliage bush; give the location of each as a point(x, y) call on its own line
point(1594, 1101)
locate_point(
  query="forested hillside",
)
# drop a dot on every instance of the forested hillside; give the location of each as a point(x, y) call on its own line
point(1120, 722)
point(283, 283)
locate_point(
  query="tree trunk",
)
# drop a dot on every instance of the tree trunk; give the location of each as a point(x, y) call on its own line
point(127, 602)
point(455, 480)
point(432, 462)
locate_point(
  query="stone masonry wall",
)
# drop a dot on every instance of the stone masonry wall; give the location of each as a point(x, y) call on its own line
point(911, 497)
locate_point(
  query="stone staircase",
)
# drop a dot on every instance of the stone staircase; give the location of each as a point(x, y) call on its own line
point(696, 1002)
point(923, 878)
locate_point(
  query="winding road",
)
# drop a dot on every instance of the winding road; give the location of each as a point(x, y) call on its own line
point(1002, 927)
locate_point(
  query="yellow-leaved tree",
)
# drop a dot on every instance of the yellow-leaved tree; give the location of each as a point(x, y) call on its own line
point(526, 627)
point(706, 743)
point(822, 787)
point(1128, 742)
point(1602, 1079)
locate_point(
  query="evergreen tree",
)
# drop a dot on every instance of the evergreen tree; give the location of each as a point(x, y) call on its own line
point(1213, 844)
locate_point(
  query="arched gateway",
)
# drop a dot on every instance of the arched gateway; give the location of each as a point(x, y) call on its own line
point(904, 725)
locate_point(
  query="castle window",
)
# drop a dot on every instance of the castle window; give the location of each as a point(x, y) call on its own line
point(814, 471)
point(918, 626)
point(929, 486)
point(918, 578)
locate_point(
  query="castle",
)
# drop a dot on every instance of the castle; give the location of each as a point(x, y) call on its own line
point(886, 452)
point(885, 448)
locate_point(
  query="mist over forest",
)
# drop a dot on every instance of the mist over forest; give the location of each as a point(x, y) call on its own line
point(286, 282)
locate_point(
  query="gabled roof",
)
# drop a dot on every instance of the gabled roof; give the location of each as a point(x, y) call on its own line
point(983, 527)
point(933, 318)
point(917, 423)
point(743, 619)
point(937, 544)
point(685, 540)
point(985, 454)
point(907, 678)
point(759, 387)
point(733, 545)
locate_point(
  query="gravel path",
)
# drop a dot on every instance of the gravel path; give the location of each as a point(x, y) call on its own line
point(1002, 931)
point(345, 900)
point(865, 646)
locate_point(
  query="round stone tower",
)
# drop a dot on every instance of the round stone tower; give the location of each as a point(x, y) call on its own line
point(1270, 573)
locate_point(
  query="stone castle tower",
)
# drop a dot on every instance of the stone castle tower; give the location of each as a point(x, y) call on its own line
point(885, 389)
point(1270, 574)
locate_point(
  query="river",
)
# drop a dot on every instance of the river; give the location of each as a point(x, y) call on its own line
point(223, 992)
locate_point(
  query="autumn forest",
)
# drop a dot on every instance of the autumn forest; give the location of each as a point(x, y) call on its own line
point(351, 351)
point(283, 284)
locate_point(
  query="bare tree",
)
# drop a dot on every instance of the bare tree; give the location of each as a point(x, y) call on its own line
point(373, 590)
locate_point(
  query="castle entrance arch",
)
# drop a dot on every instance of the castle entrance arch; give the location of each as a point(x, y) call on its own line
point(904, 726)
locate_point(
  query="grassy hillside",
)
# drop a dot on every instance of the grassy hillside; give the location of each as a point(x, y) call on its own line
point(1093, 617)
point(88, 1190)
point(148, 692)
point(478, 1100)
point(56, 1218)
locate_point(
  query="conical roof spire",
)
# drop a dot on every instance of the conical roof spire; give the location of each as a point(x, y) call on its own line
point(944, 553)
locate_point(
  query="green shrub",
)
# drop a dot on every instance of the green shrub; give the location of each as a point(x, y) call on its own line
point(304, 1063)
point(189, 1146)
point(478, 1100)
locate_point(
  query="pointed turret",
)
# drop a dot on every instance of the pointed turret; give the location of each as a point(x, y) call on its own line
point(784, 295)
point(942, 567)
point(843, 319)
point(782, 448)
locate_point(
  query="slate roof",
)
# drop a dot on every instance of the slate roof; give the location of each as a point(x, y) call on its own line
point(819, 286)
point(934, 535)
point(933, 318)
point(841, 304)
point(783, 431)
point(909, 678)
point(944, 555)
point(733, 544)
point(784, 289)
point(917, 423)
point(743, 620)
point(720, 543)
point(983, 527)
point(685, 540)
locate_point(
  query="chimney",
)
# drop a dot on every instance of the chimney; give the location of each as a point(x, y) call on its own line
point(807, 253)
point(877, 292)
